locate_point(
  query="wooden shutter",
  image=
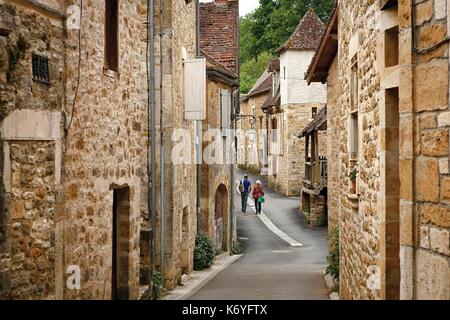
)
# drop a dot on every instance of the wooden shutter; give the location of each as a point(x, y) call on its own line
point(195, 89)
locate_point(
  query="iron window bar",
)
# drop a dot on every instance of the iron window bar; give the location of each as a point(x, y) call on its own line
point(40, 69)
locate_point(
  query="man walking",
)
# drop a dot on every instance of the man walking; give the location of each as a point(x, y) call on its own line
point(245, 187)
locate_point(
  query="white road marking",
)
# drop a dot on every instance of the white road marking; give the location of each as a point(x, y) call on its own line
point(272, 227)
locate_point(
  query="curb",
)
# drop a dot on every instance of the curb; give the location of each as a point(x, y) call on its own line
point(332, 285)
point(197, 279)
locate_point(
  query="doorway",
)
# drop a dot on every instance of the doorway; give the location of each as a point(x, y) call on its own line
point(221, 218)
point(120, 244)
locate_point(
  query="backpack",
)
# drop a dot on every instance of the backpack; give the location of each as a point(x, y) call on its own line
point(241, 186)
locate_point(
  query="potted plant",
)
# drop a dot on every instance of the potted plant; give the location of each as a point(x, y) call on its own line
point(352, 177)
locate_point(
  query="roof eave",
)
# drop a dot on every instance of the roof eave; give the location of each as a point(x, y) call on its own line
point(329, 40)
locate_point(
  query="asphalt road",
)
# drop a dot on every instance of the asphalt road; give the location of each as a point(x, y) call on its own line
point(270, 268)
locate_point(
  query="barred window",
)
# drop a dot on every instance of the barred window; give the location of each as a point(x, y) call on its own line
point(40, 68)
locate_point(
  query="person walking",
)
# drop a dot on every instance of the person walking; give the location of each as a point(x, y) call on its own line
point(258, 196)
point(245, 187)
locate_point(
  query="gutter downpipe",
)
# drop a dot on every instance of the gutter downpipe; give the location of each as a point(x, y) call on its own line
point(162, 210)
point(151, 126)
point(235, 109)
point(198, 125)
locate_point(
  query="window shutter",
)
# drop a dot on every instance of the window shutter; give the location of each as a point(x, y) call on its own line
point(195, 89)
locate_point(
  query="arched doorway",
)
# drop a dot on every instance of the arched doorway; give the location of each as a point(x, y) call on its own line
point(221, 218)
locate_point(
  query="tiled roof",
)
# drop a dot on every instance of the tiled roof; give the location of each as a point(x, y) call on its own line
point(272, 100)
point(214, 65)
point(274, 65)
point(263, 84)
point(326, 52)
point(316, 124)
point(219, 30)
point(307, 35)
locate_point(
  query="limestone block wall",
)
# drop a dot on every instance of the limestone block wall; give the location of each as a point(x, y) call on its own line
point(248, 148)
point(332, 137)
point(291, 161)
point(179, 193)
point(30, 133)
point(359, 221)
point(394, 237)
point(105, 148)
point(217, 174)
point(424, 141)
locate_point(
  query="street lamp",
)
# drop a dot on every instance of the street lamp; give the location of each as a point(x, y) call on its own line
point(240, 116)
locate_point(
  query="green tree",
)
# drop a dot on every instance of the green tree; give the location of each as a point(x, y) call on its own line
point(268, 27)
point(252, 69)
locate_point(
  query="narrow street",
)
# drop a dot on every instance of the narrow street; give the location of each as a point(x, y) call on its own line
point(271, 268)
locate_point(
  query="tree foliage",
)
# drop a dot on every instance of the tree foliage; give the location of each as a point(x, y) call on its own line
point(268, 27)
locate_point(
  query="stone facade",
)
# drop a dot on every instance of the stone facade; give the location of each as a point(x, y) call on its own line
point(387, 120)
point(297, 100)
point(219, 44)
point(74, 182)
point(252, 143)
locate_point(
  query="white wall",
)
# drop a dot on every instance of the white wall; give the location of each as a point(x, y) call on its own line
point(294, 88)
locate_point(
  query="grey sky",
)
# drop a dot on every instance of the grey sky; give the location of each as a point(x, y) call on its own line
point(245, 6)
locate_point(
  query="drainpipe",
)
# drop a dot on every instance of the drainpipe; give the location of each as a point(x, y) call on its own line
point(235, 109)
point(198, 126)
point(151, 127)
point(162, 222)
point(414, 218)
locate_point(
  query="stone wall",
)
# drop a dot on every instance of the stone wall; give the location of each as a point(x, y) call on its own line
point(332, 137)
point(424, 142)
point(249, 149)
point(360, 235)
point(291, 162)
point(180, 200)
point(31, 153)
point(215, 175)
point(394, 237)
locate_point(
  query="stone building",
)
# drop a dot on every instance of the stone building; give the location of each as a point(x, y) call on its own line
point(72, 145)
point(324, 69)
point(219, 45)
point(313, 202)
point(252, 137)
point(391, 125)
point(298, 103)
point(73, 120)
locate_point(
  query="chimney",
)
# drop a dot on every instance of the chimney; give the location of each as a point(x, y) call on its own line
point(219, 31)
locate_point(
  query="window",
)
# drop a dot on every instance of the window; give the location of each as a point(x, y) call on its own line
point(40, 68)
point(277, 133)
point(112, 35)
point(354, 135)
point(391, 47)
point(274, 130)
point(275, 83)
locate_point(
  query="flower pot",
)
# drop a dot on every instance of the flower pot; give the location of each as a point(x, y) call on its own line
point(353, 186)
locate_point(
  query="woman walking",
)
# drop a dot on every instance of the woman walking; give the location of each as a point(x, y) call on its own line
point(258, 195)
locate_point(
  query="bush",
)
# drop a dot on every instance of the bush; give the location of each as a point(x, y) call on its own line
point(307, 213)
point(333, 258)
point(237, 249)
point(157, 285)
point(204, 252)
